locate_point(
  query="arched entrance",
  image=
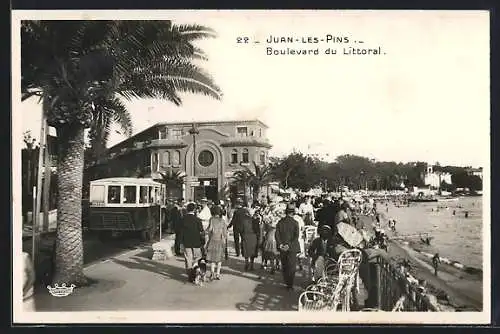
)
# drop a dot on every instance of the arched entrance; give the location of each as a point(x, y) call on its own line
point(209, 170)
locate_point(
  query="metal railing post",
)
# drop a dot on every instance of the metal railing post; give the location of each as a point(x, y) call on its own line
point(378, 283)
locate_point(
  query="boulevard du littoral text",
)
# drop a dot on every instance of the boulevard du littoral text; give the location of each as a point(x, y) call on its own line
point(327, 44)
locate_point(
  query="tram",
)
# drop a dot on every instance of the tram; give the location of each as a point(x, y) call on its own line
point(126, 205)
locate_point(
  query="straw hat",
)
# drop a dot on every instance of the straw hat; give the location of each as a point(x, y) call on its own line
point(350, 234)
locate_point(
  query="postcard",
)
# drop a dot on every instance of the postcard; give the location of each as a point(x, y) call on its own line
point(266, 166)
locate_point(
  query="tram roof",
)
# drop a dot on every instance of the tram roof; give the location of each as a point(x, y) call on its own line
point(126, 180)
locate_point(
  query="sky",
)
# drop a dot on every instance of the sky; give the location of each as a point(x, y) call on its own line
point(425, 99)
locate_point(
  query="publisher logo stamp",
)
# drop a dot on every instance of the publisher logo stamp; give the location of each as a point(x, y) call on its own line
point(61, 291)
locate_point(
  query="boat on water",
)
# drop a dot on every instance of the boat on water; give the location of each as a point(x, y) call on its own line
point(423, 199)
point(448, 199)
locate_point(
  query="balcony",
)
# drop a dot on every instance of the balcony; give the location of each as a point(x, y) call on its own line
point(246, 141)
point(168, 143)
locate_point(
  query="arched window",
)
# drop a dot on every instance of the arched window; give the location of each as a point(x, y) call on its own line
point(245, 156)
point(234, 156)
point(262, 158)
point(176, 158)
point(165, 158)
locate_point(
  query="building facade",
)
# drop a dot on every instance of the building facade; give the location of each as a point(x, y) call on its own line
point(434, 179)
point(207, 156)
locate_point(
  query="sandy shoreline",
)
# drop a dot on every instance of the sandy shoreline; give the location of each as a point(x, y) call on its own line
point(453, 287)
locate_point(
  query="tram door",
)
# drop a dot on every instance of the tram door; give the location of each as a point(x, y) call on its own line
point(208, 188)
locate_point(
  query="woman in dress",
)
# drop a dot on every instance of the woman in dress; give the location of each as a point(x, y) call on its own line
point(250, 235)
point(270, 251)
point(216, 244)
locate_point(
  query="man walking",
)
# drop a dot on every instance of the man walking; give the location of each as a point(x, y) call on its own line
point(240, 214)
point(176, 216)
point(192, 238)
point(287, 234)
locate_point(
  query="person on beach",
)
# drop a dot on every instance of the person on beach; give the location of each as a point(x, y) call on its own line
point(436, 261)
point(217, 241)
point(287, 235)
point(193, 239)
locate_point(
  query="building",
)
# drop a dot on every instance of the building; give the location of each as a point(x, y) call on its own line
point(207, 156)
point(434, 178)
point(475, 171)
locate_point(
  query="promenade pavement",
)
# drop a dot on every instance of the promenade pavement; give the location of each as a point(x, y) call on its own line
point(132, 281)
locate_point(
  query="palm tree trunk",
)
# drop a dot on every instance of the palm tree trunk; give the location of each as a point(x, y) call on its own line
point(69, 241)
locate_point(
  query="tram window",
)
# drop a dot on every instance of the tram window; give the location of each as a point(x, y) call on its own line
point(114, 194)
point(143, 195)
point(151, 195)
point(97, 194)
point(157, 195)
point(129, 194)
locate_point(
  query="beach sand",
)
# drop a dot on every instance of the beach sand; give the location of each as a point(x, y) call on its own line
point(452, 287)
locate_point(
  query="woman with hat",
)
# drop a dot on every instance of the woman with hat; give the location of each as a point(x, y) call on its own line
point(270, 251)
point(217, 238)
point(250, 235)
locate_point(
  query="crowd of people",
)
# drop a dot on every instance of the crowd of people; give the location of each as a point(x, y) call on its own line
point(275, 231)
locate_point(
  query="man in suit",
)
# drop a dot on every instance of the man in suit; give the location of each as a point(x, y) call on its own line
point(176, 216)
point(287, 240)
point(239, 215)
point(192, 238)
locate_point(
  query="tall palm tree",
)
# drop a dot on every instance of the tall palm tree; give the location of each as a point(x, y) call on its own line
point(107, 113)
point(78, 68)
point(256, 178)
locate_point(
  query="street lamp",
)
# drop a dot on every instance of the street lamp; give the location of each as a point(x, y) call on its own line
point(194, 131)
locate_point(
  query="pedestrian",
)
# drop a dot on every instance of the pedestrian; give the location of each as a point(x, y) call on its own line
point(28, 283)
point(204, 213)
point(306, 211)
point(193, 237)
point(342, 216)
point(321, 249)
point(217, 240)
point(250, 236)
point(239, 214)
point(225, 218)
point(270, 253)
point(287, 234)
point(302, 225)
point(436, 261)
point(176, 216)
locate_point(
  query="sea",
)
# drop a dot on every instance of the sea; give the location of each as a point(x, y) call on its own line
point(454, 236)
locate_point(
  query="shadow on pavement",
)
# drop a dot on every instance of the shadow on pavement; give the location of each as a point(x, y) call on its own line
point(142, 263)
point(271, 295)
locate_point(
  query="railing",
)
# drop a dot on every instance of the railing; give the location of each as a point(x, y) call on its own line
point(389, 283)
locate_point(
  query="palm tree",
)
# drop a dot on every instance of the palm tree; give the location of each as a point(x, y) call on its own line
point(81, 68)
point(105, 114)
point(256, 179)
point(172, 179)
